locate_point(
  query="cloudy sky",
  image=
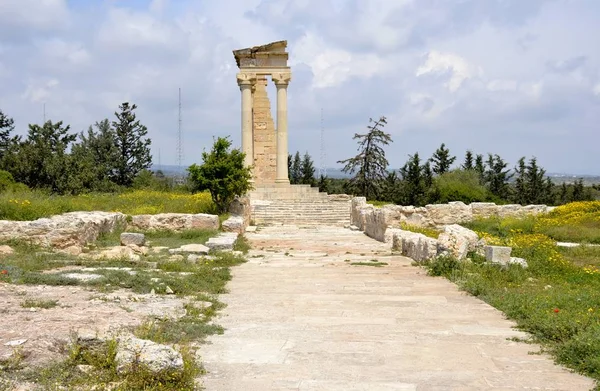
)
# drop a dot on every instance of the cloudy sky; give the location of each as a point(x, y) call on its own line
point(513, 77)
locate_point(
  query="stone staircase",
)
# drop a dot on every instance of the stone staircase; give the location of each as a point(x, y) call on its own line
point(275, 204)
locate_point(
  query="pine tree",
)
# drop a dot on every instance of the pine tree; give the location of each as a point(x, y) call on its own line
point(324, 184)
point(497, 176)
point(442, 160)
point(133, 150)
point(536, 186)
point(480, 167)
point(370, 165)
point(307, 171)
point(296, 169)
point(413, 182)
point(578, 191)
point(42, 160)
point(95, 157)
point(564, 195)
point(521, 192)
point(7, 126)
point(549, 197)
point(390, 191)
point(469, 162)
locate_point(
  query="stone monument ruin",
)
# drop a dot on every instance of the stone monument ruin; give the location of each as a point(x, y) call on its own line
point(265, 146)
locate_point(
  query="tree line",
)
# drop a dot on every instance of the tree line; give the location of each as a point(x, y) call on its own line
point(478, 178)
point(108, 156)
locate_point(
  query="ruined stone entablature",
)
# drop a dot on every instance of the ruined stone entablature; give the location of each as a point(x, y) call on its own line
point(265, 146)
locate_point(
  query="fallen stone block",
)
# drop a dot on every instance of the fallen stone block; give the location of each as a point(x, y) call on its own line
point(223, 241)
point(190, 249)
point(518, 261)
point(136, 239)
point(133, 352)
point(414, 245)
point(234, 224)
point(498, 254)
point(458, 240)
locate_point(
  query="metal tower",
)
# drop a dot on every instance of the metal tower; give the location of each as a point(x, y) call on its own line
point(322, 169)
point(179, 138)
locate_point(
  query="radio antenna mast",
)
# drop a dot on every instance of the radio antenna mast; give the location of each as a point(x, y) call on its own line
point(322, 169)
point(179, 141)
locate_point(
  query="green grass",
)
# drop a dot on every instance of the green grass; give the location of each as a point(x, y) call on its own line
point(34, 303)
point(31, 205)
point(374, 263)
point(429, 232)
point(379, 204)
point(582, 255)
point(503, 227)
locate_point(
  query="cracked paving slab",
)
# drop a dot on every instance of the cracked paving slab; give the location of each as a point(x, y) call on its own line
point(301, 317)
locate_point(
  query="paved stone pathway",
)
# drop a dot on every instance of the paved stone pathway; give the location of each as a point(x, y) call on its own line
point(301, 318)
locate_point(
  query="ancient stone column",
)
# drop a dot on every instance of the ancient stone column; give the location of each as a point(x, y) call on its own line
point(281, 82)
point(245, 81)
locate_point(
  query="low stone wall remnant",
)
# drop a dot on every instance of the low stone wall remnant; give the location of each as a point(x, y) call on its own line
point(376, 221)
point(69, 232)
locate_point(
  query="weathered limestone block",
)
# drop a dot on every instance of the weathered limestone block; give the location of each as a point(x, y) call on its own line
point(130, 238)
point(451, 213)
point(241, 207)
point(234, 224)
point(512, 210)
point(375, 225)
point(223, 241)
point(6, 250)
point(356, 205)
point(175, 221)
point(117, 252)
point(484, 210)
point(191, 249)
point(414, 245)
point(458, 240)
point(62, 231)
point(518, 261)
point(133, 352)
point(498, 254)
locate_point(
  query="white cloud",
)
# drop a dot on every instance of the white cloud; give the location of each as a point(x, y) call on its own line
point(34, 14)
point(597, 89)
point(443, 63)
point(39, 91)
point(502, 85)
point(332, 67)
point(127, 28)
point(61, 51)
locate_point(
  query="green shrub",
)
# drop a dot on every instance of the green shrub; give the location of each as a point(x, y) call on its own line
point(459, 185)
point(442, 266)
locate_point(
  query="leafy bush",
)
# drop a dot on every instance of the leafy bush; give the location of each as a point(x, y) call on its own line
point(442, 266)
point(222, 173)
point(459, 185)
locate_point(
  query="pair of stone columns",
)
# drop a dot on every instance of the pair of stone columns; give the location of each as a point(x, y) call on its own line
point(246, 81)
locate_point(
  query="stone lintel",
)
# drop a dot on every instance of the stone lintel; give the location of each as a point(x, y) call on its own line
point(262, 54)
